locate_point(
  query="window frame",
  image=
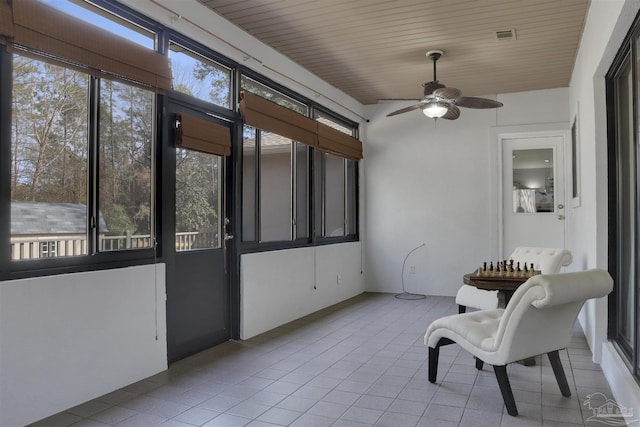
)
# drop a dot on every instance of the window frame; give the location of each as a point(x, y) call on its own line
point(94, 259)
point(197, 48)
point(628, 53)
point(349, 221)
point(314, 206)
point(14, 269)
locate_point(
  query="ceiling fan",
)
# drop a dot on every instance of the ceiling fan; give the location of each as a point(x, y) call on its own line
point(443, 102)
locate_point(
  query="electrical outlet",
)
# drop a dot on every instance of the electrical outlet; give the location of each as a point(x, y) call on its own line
point(412, 269)
point(338, 279)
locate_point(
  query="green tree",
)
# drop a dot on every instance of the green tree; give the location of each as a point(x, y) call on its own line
point(50, 129)
point(196, 191)
point(126, 136)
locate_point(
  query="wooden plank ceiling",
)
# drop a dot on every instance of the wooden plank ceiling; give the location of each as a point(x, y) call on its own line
point(375, 49)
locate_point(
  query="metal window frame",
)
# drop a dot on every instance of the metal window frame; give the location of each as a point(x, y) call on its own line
point(94, 259)
point(628, 53)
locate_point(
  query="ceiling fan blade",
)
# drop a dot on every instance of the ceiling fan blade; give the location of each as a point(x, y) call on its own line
point(473, 102)
point(449, 93)
point(452, 114)
point(430, 87)
point(405, 110)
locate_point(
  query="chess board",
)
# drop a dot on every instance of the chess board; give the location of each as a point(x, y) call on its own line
point(504, 271)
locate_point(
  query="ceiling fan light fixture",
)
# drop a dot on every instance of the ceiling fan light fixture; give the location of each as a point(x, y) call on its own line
point(435, 110)
point(443, 102)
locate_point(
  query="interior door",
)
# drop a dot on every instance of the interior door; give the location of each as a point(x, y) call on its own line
point(198, 306)
point(533, 200)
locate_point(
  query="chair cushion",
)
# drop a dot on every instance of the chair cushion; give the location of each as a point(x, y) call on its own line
point(566, 289)
point(477, 328)
point(470, 296)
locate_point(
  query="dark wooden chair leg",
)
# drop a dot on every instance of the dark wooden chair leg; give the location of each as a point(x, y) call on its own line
point(479, 364)
point(558, 370)
point(462, 309)
point(505, 389)
point(434, 353)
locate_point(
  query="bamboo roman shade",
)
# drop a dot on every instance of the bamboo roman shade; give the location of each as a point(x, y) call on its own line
point(202, 135)
point(52, 33)
point(6, 21)
point(263, 114)
point(339, 143)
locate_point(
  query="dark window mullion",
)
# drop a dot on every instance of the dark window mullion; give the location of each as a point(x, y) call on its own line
point(293, 214)
point(257, 191)
point(92, 176)
point(6, 71)
point(634, 145)
point(345, 198)
point(311, 196)
point(323, 193)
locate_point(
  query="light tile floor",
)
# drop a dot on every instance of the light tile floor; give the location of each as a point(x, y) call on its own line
point(359, 363)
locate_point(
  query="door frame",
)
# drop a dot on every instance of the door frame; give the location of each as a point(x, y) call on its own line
point(497, 136)
point(166, 198)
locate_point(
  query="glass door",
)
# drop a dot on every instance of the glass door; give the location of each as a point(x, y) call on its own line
point(198, 302)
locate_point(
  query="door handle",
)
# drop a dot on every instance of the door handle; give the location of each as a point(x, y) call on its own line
point(561, 217)
point(229, 236)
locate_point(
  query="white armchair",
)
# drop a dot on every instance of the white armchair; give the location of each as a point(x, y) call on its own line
point(547, 260)
point(538, 319)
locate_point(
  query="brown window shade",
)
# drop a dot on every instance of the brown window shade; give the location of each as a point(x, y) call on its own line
point(42, 28)
point(202, 135)
point(6, 21)
point(339, 143)
point(263, 114)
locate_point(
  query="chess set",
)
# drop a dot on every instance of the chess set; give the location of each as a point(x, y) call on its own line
point(504, 270)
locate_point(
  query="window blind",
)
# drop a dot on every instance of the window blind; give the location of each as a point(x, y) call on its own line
point(6, 21)
point(52, 33)
point(333, 141)
point(202, 135)
point(263, 114)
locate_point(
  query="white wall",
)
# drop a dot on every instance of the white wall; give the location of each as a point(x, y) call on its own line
point(433, 182)
point(70, 338)
point(607, 24)
point(280, 286)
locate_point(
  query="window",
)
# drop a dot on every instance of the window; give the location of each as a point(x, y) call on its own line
point(126, 135)
point(624, 176)
point(250, 85)
point(335, 179)
point(48, 249)
point(296, 169)
point(51, 163)
point(275, 199)
point(275, 170)
point(198, 200)
point(80, 149)
point(200, 77)
point(49, 157)
point(106, 20)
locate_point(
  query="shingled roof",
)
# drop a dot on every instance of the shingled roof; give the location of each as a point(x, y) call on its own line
point(28, 218)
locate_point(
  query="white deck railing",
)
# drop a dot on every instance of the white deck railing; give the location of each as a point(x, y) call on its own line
point(34, 247)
